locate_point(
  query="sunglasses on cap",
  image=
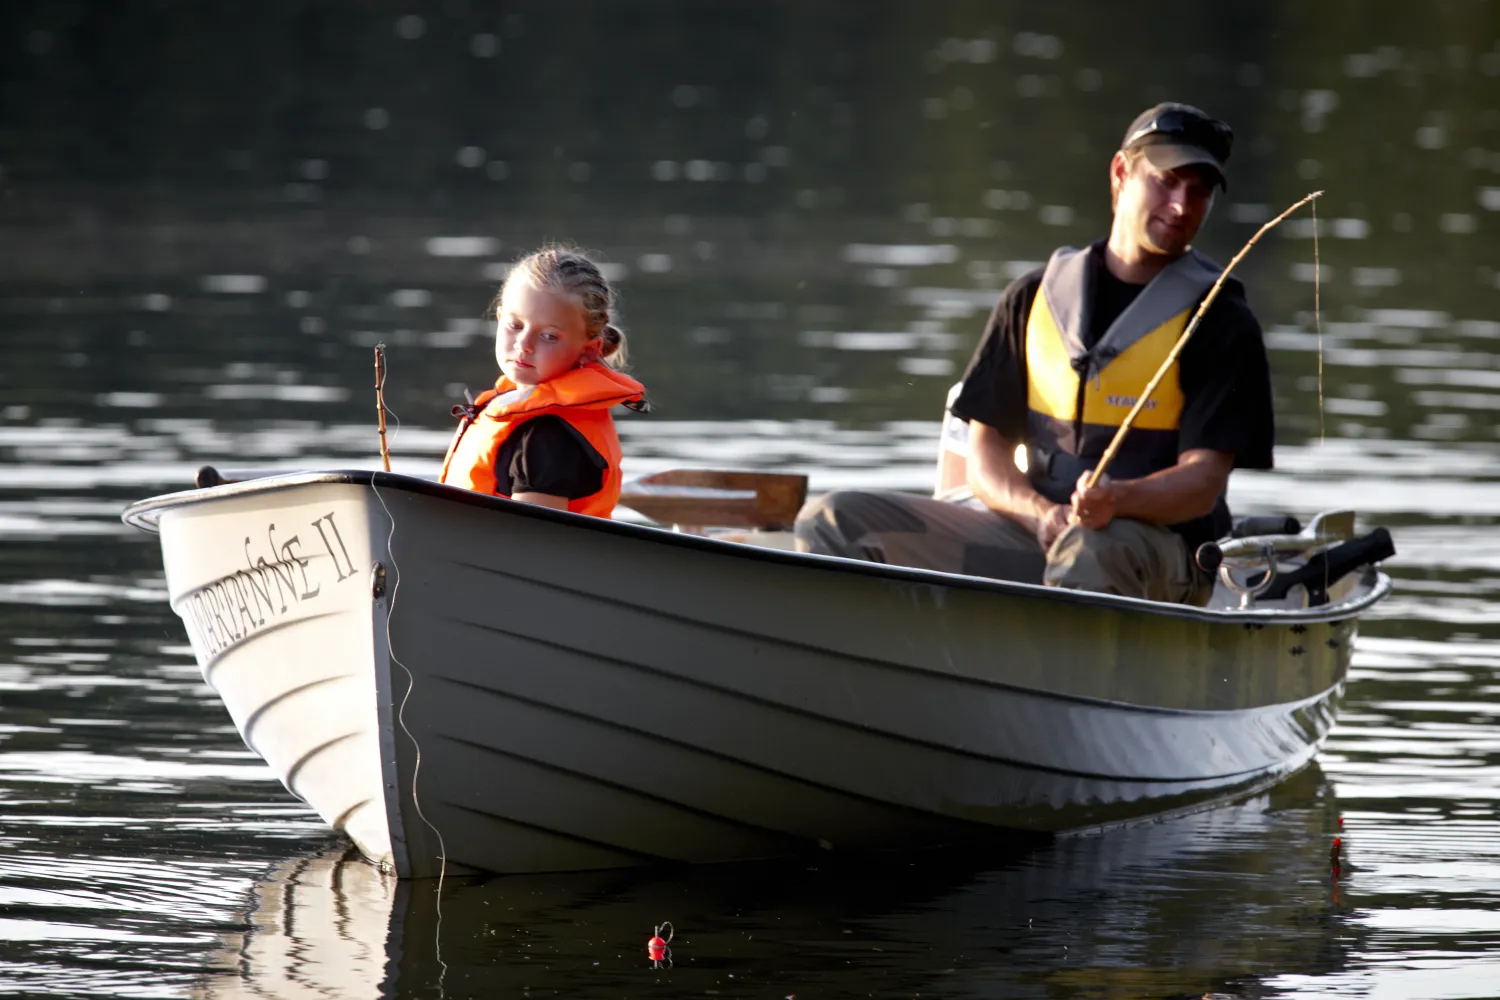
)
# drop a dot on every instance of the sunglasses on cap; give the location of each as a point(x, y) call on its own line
point(1198, 130)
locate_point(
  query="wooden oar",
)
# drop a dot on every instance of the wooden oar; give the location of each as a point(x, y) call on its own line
point(1166, 366)
point(721, 498)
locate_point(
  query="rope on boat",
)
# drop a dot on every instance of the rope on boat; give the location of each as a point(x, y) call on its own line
point(411, 683)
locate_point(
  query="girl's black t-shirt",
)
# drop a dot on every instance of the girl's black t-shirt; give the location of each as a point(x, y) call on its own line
point(546, 454)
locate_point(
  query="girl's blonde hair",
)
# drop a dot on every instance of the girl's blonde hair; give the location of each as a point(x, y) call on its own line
point(565, 270)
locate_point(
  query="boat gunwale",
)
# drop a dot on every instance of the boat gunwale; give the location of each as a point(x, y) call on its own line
point(145, 514)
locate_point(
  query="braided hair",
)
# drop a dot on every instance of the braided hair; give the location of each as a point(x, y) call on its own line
point(566, 271)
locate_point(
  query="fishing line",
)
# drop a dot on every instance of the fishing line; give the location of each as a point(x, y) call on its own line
point(411, 683)
point(1322, 429)
point(1318, 324)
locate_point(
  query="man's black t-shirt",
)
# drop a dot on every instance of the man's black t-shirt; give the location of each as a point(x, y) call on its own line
point(547, 455)
point(1223, 371)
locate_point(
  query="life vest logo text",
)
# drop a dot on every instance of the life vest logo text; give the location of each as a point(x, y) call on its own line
point(1127, 401)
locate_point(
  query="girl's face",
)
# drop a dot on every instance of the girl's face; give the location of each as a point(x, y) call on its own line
point(540, 334)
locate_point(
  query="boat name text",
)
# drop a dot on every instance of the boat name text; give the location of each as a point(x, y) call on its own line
point(233, 608)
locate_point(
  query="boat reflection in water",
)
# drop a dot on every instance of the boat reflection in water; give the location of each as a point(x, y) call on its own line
point(319, 927)
point(1214, 902)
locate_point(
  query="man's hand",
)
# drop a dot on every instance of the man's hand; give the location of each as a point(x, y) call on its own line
point(1170, 496)
point(1052, 524)
point(1093, 508)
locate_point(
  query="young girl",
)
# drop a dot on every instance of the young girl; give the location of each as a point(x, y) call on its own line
point(544, 434)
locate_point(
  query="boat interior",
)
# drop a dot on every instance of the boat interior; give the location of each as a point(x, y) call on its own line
point(1267, 563)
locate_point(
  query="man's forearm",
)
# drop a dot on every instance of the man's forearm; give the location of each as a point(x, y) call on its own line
point(996, 481)
point(1180, 493)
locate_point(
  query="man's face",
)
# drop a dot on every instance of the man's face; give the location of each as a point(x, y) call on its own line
point(1161, 210)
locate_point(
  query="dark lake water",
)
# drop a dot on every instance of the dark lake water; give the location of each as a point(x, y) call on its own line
point(209, 213)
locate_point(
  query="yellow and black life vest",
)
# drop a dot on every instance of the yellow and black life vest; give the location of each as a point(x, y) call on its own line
point(1076, 398)
point(581, 396)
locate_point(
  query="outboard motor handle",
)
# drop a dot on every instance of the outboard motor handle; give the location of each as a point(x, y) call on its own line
point(1328, 566)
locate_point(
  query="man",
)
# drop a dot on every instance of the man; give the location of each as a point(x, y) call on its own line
point(1066, 353)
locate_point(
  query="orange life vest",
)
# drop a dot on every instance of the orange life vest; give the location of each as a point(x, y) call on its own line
point(581, 396)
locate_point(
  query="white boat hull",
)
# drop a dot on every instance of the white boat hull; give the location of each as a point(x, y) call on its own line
point(463, 682)
point(277, 607)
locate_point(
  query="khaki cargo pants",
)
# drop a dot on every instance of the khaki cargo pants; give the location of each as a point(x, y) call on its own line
point(961, 535)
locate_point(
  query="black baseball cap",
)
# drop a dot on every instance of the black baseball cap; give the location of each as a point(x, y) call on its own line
point(1172, 135)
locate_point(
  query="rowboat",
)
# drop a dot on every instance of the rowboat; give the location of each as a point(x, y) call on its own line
point(461, 682)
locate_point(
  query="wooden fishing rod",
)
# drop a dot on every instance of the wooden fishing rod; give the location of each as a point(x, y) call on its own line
point(1161, 373)
point(385, 452)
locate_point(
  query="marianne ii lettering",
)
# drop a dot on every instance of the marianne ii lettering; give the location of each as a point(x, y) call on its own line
point(301, 568)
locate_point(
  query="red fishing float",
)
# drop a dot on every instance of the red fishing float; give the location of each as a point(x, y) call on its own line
point(656, 948)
